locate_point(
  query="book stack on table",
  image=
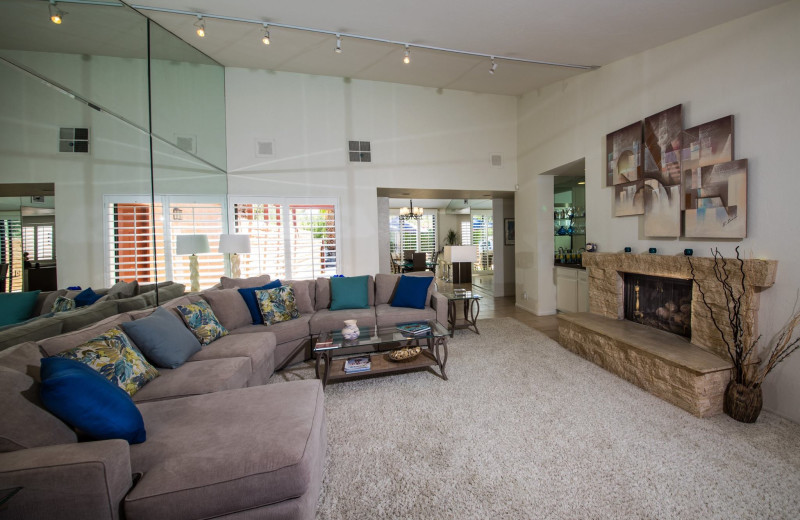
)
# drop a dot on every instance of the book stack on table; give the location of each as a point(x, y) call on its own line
point(414, 329)
point(357, 364)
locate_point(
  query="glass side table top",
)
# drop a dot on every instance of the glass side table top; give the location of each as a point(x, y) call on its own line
point(461, 295)
point(387, 337)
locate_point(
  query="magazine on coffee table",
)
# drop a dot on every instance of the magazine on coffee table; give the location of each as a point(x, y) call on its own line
point(414, 329)
point(357, 364)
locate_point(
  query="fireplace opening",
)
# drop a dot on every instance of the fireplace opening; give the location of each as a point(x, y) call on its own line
point(662, 303)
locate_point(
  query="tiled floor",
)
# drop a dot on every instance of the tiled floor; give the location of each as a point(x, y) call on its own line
point(502, 307)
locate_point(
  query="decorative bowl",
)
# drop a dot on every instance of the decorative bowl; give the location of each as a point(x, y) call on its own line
point(405, 353)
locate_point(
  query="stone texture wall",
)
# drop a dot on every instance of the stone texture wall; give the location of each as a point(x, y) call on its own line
point(606, 289)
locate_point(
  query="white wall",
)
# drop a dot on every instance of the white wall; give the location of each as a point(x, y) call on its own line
point(749, 68)
point(421, 138)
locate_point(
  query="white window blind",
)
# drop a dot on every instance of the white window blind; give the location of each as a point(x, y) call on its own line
point(414, 235)
point(133, 253)
point(11, 254)
point(37, 240)
point(288, 239)
point(483, 240)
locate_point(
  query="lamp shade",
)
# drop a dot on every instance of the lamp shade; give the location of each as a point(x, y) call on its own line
point(229, 243)
point(192, 244)
point(462, 254)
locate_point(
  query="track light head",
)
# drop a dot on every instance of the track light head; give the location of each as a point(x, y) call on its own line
point(493, 67)
point(201, 26)
point(406, 56)
point(265, 38)
point(56, 14)
point(338, 49)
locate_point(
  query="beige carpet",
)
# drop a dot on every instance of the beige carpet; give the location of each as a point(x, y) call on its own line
point(526, 429)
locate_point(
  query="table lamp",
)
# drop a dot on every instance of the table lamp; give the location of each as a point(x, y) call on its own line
point(234, 244)
point(192, 245)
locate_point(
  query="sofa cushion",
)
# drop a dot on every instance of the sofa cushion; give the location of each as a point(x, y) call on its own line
point(17, 306)
point(62, 304)
point(33, 330)
point(85, 316)
point(283, 423)
point(277, 305)
point(136, 302)
point(53, 345)
point(201, 321)
point(197, 377)
point(259, 348)
point(303, 294)
point(284, 331)
point(254, 281)
point(323, 292)
point(123, 290)
point(26, 423)
point(349, 293)
point(163, 338)
point(229, 307)
point(248, 295)
point(326, 320)
point(45, 301)
point(170, 292)
point(412, 292)
point(389, 316)
point(113, 355)
point(86, 400)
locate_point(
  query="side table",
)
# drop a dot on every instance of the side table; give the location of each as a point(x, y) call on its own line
point(472, 307)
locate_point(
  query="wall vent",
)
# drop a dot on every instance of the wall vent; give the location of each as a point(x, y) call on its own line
point(497, 160)
point(73, 140)
point(186, 142)
point(265, 148)
point(359, 151)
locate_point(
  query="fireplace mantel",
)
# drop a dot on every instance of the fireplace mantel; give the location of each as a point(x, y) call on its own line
point(606, 289)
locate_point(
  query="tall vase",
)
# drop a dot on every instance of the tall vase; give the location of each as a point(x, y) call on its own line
point(742, 402)
point(350, 330)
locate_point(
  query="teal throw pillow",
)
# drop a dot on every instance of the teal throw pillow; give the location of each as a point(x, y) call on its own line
point(349, 293)
point(412, 291)
point(87, 401)
point(277, 305)
point(202, 322)
point(17, 306)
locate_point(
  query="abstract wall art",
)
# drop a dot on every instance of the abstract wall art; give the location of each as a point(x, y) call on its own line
point(624, 155)
point(662, 209)
point(716, 201)
point(662, 146)
point(629, 199)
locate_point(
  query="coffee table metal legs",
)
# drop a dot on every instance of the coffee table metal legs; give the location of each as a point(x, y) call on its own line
point(323, 357)
point(440, 353)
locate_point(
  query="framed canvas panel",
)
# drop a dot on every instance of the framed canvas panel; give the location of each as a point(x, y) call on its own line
point(704, 145)
point(662, 209)
point(624, 155)
point(716, 201)
point(629, 199)
point(663, 146)
point(509, 234)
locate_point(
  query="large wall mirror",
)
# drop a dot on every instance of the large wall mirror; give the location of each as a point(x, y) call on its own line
point(75, 104)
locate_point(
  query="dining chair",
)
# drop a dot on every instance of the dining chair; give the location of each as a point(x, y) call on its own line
point(419, 262)
point(408, 254)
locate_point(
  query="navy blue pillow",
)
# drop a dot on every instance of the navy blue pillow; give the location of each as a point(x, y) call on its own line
point(412, 291)
point(249, 295)
point(87, 401)
point(163, 338)
point(86, 297)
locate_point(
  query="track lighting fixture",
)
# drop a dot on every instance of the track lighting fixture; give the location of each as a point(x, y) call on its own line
point(201, 26)
point(56, 14)
point(265, 39)
point(494, 66)
point(406, 56)
point(338, 44)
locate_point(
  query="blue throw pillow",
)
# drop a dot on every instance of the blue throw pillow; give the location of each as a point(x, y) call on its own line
point(249, 295)
point(163, 338)
point(349, 293)
point(86, 297)
point(412, 291)
point(87, 401)
point(16, 307)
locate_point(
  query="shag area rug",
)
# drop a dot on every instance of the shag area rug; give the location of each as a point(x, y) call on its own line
point(526, 429)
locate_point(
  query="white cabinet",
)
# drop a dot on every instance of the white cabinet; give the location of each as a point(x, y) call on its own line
point(572, 290)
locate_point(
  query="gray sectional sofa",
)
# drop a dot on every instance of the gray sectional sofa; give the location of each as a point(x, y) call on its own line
point(220, 443)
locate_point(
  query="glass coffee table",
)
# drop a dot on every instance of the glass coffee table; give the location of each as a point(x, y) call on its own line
point(332, 351)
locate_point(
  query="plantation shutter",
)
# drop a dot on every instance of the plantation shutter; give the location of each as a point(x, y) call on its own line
point(312, 241)
point(37, 240)
point(197, 218)
point(483, 239)
point(11, 254)
point(427, 236)
point(130, 243)
point(263, 223)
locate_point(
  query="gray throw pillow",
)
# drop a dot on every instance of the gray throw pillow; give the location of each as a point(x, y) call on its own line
point(163, 338)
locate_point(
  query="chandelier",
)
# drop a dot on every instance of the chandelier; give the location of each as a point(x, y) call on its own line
point(409, 212)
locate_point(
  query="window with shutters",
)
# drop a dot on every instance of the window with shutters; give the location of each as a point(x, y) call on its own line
point(414, 235)
point(37, 240)
point(483, 240)
point(10, 255)
point(295, 239)
point(141, 245)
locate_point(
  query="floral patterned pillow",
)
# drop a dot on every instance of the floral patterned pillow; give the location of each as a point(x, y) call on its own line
point(202, 322)
point(114, 356)
point(277, 304)
point(62, 304)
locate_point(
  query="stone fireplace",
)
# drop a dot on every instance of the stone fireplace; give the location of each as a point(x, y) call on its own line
point(658, 302)
point(691, 371)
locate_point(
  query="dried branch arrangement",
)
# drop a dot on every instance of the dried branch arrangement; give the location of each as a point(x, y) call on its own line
point(733, 332)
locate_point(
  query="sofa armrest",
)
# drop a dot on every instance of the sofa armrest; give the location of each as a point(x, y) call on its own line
point(439, 304)
point(66, 481)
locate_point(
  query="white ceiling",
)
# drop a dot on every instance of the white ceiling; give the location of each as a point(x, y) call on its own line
point(563, 31)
